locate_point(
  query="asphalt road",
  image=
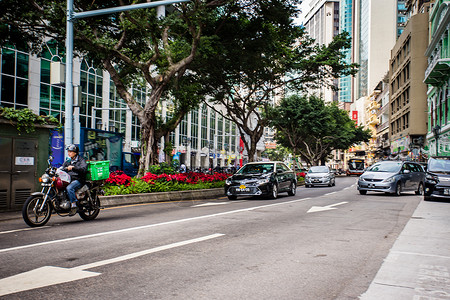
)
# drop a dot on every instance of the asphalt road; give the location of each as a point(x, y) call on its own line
point(323, 243)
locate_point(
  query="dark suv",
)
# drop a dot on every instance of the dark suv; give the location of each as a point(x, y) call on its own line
point(437, 182)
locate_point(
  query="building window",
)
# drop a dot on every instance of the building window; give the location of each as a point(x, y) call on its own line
point(117, 114)
point(220, 133)
point(204, 126)
point(91, 82)
point(194, 128)
point(14, 78)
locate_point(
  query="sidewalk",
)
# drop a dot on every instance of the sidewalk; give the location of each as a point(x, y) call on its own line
point(418, 265)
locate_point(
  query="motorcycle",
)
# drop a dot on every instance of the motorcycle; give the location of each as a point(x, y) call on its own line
point(38, 208)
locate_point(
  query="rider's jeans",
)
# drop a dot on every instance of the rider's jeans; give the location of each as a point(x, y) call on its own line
point(71, 188)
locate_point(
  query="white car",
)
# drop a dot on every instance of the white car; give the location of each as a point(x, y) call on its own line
point(320, 175)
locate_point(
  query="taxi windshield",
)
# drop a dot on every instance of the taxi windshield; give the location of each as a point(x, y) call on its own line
point(256, 169)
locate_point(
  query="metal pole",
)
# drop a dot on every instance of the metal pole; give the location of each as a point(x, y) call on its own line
point(68, 124)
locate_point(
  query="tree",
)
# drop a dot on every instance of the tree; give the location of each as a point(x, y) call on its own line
point(260, 52)
point(312, 129)
point(280, 153)
point(133, 46)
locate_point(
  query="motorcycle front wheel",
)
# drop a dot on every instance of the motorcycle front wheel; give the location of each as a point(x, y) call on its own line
point(34, 214)
point(91, 211)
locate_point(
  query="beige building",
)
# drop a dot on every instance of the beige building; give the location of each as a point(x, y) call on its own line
point(408, 92)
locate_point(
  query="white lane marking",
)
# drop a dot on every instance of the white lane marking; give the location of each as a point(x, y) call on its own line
point(330, 193)
point(148, 251)
point(148, 226)
point(211, 204)
point(23, 229)
point(323, 208)
point(48, 275)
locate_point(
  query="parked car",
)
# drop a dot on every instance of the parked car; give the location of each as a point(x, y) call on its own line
point(437, 183)
point(393, 177)
point(261, 178)
point(320, 175)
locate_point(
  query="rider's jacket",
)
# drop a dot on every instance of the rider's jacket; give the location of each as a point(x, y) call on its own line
point(80, 168)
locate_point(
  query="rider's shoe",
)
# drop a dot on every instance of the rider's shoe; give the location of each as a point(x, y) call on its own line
point(74, 209)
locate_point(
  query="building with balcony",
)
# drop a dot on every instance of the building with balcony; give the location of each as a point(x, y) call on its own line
point(382, 144)
point(407, 91)
point(437, 77)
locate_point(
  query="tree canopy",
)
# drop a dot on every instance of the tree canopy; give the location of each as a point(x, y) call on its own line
point(135, 47)
point(258, 53)
point(312, 129)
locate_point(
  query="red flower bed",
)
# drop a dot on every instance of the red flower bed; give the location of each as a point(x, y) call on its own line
point(190, 178)
point(301, 174)
point(119, 178)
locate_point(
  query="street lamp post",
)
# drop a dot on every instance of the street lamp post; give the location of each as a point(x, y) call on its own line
point(436, 132)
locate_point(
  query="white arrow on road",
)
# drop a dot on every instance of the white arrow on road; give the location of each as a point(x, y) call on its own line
point(323, 208)
point(48, 275)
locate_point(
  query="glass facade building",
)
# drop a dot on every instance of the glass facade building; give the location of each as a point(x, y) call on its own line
point(346, 24)
point(19, 71)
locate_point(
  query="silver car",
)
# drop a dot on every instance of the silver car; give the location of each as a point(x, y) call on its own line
point(320, 175)
point(393, 177)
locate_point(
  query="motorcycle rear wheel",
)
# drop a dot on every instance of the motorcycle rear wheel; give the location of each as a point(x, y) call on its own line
point(91, 211)
point(33, 215)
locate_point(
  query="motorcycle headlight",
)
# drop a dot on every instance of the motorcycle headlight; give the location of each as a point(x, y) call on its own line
point(45, 178)
point(390, 179)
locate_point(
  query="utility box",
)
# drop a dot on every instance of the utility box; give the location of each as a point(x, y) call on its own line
point(24, 160)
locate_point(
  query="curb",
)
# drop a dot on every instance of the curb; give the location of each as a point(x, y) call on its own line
point(118, 200)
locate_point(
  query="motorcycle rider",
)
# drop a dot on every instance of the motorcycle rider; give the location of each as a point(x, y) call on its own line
point(76, 167)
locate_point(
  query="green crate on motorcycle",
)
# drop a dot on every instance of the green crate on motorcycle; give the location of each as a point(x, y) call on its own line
point(98, 170)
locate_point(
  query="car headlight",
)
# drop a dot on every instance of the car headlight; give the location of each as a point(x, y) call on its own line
point(228, 181)
point(362, 179)
point(390, 179)
point(307, 177)
point(432, 178)
point(263, 181)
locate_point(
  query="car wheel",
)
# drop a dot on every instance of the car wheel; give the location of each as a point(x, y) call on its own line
point(292, 189)
point(420, 189)
point(274, 194)
point(362, 192)
point(398, 189)
point(307, 185)
point(334, 182)
point(426, 198)
point(232, 197)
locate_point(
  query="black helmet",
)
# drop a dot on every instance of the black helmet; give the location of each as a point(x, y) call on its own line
point(73, 147)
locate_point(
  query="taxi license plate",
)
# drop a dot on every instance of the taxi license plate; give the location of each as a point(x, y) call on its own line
point(243, 188)
point(446, 191)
